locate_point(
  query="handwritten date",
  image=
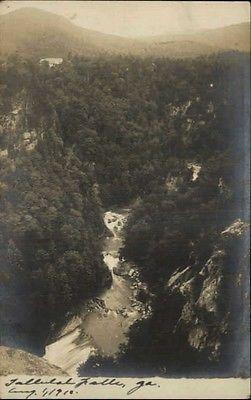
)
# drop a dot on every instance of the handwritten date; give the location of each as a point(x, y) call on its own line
point(58, 388)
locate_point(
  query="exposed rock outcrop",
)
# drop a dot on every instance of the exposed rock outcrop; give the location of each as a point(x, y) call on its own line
point(14, 361)
point(211, 293)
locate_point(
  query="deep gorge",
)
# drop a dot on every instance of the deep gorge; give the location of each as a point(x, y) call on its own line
point(93, 134)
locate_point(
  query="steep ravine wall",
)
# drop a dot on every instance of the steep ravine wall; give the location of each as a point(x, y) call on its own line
point(51, 227)
point(213, 316)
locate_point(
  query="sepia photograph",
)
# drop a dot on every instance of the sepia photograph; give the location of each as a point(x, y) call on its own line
point(124, 199)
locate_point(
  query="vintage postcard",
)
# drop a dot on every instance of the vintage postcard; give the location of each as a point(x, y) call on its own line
point(124, 199)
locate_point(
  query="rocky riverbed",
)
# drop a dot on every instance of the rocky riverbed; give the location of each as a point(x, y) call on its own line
point(103, 323)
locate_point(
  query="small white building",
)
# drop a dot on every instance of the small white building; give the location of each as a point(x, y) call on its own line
point(51, 61)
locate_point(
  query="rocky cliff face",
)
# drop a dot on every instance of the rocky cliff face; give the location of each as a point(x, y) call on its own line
point(211, 295)
point(14, 361)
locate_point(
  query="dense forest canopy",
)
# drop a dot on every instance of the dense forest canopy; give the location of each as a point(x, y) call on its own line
point(94, 133)
point(134, 120)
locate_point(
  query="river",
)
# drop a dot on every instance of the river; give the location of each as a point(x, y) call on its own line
point(103, 324)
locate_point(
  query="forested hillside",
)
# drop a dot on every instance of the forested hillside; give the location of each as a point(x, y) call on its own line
point(165, 136)
point(50, 221)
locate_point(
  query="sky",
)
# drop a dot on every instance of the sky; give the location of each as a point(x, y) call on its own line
point(142, 18)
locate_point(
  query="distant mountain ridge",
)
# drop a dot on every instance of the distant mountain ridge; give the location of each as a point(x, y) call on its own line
point(36, 33)
point(232, 37)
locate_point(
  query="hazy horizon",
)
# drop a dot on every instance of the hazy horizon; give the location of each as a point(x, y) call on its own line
point(142, 18)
